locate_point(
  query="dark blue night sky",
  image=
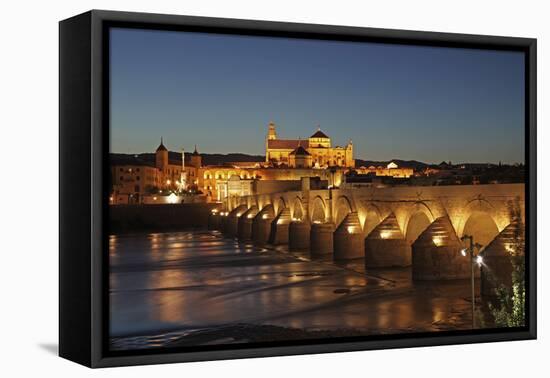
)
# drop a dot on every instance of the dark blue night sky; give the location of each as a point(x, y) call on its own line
point(220, 92)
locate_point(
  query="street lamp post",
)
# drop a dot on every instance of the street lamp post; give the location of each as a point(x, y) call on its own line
point(470, 251)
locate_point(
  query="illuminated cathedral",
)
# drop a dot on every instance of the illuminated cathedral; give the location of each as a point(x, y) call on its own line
point(313, 152)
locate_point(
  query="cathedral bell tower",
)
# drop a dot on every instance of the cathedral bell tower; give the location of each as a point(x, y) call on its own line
point(271, 133)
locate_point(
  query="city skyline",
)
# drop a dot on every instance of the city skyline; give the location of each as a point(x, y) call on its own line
point(429, 104)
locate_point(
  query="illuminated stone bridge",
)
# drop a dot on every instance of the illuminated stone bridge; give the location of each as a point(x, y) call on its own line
point(394, 226)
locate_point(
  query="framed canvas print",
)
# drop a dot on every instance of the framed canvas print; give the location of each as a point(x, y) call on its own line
point(234, 188)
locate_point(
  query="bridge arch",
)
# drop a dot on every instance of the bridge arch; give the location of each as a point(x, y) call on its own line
point(297, 208)
point(252, 201)
point(481, 226)
point(268, 210)
point(279, 204)
point(343, 207)
point(370, 216)
point(419, 218)
point(482, 220)
point(318, 210)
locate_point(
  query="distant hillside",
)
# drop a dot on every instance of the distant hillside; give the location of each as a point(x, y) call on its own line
point(221, 159)
point(175, 158)
point(416, 165)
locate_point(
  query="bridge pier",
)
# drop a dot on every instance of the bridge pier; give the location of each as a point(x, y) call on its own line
point(214, 220)
point(261, 226)
point(348, 239)
point(298, 235)
point(245, 223)
point(321, 239)
point(385, 246)
point(232, 221)
point(436, 253)
point(279, 228)
point(498, 258)
point(223, 222)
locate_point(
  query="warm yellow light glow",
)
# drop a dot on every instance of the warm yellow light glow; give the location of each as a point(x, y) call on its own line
point(154, 198)
point(479, 260)
point(317, 222)
point(249, 216)
point(238, 214)
point(438, 241)
point(463, 251)
point(351, 229)
point(172, 198)
point(168, 182)
point(385, 234)
point(111, 199)
point(214, 211)
point(265, 216)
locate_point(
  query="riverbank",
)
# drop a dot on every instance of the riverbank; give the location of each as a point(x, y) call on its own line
point(159, 218)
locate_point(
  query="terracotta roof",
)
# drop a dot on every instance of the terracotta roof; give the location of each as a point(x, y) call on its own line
point(286, 144)
point(300, 151)
point(319, 134)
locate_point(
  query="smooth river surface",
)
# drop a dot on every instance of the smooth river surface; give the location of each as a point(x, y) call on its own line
point(167, 285)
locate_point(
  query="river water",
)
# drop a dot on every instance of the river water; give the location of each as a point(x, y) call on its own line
point(166, 286)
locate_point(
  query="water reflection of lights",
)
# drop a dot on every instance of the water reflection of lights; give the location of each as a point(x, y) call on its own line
point(112, 244)
point(186, 294)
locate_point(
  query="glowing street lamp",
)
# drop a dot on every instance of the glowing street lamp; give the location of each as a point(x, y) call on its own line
point(470, 250)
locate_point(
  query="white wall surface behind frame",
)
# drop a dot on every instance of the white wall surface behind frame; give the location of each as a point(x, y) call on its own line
point(29, 148)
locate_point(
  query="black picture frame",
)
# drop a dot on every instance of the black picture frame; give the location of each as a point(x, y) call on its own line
point(83, 161)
